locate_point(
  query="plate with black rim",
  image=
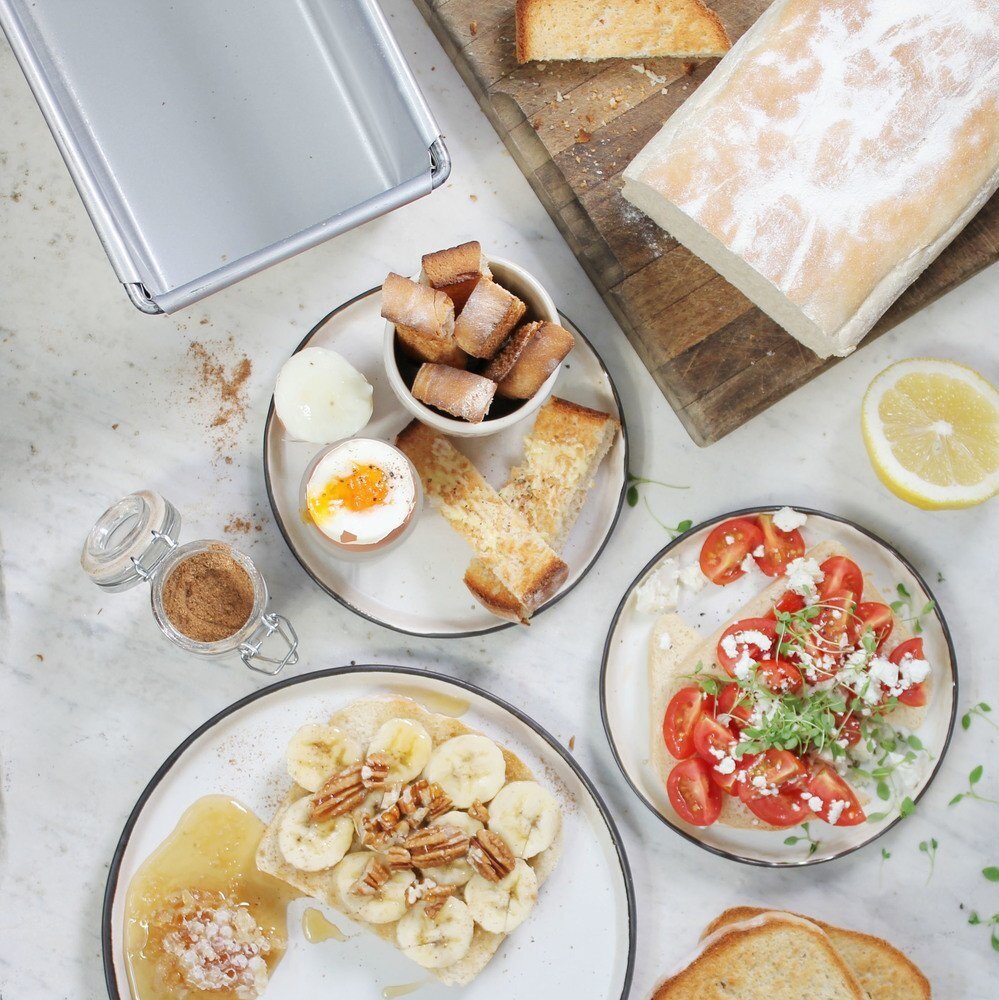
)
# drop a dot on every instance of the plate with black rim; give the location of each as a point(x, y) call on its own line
point(624, 692)
point(417, 588)
point(578, 940)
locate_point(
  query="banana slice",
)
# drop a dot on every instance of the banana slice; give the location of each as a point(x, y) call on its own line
point(458, 872)
point(310, 846)
point(386, 905)
point(501, 906)
point(316, 752)
point(467, 767)
point(526, 817)
point(408, 745)
point(439, 941)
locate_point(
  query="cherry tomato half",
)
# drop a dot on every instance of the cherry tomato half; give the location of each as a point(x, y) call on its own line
point(834, 627)
point(829, 788)
point(780, 676)
point(790, 602)
point(849, 728)
point(682, 713)
point(841, 574)
point(782, 808)
point(731, 783)
point(779, 547)
point(695, 797)
point(877, 617)
point(915, 696)
point(731, 703)
point(725, 548)
point(776, 767)
point(765, 626)
point(712, 739)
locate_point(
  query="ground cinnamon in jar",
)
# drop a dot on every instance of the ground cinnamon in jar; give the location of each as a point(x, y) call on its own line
point(208, 596)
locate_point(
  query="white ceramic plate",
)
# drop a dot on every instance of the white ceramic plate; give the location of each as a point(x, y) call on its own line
point(417, 588)
point(624, 688)
point(579, 940)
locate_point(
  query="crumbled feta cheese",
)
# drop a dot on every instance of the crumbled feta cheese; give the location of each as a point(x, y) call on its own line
point(748, 563)
point(884, 671)
point(913, 670)
point(665, 640)
point(802, 576)
point(759, 552)
point(730, 539)
point(836, 808)
point(692, 578)
point(787, 519)
point(814, 802)
point(659, 592)
point(726, 765)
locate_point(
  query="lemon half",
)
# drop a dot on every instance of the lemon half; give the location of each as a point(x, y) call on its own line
point(931, 428)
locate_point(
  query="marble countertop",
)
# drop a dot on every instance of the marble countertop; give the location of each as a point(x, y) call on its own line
point(97, 400)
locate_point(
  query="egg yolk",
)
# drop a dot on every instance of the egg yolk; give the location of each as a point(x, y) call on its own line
point(366, 487)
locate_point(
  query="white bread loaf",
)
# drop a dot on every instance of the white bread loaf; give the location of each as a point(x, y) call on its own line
point(831, 156)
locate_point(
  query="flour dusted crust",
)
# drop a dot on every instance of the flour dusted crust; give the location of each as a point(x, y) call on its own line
point(670, 669)
point(832, 155)
point(361, 719)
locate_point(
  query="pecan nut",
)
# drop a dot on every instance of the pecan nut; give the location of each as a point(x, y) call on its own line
point(489, 855)
point(397, 858)
point(430, 893)
point(478, 811)
point(343, 793)
point(374, 771)
point(436, 846)
point(370, 883)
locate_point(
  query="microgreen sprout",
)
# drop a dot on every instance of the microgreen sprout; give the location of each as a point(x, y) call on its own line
point(813, 844)
point(929, 848)
point(707, 683)
point(635, 481)
point(905, 601)
point(981, 710)
point(974, 919)
point(973, 778)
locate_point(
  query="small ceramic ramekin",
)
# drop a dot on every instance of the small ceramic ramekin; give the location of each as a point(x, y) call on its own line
point(540, 306)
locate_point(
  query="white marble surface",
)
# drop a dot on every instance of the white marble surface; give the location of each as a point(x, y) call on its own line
point(98, 400)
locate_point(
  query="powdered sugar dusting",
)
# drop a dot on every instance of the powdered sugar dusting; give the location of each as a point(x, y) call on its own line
point(843, 143)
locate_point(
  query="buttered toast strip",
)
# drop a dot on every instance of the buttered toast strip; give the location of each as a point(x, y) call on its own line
point(501, 535)
point(561, 457)
point(775, 956)
point(880, 968)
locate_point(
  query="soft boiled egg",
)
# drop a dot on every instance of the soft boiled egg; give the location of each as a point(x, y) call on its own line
point(362, 493)
point(321, 397)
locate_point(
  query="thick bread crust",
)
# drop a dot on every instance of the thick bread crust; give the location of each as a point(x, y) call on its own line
point(881, 969)
point(604, 29)
point(362, 719)
point(456, 271)
point(562, 455)
point(419, 307)
point(776, 956)
point(540, 356)
point(670, 670)
point(490, 313)
point(501, 536)
point(507, 356)
point(462, 394)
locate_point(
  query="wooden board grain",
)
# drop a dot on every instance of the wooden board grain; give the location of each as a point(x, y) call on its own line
point(573, 128)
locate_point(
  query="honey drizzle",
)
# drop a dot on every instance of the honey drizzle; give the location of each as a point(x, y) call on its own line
point(434, 701)
point(317, 928)
point(404, 989)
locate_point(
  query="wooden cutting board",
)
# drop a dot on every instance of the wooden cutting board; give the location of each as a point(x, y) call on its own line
point(573, 128)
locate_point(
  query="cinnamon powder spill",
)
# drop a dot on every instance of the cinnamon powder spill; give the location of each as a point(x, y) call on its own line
point(224, 390)
point(208, 596)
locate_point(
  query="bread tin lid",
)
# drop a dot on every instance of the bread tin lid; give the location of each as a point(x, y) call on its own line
point(209, 141)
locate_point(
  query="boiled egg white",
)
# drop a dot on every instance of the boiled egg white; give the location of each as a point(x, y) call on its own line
point(361, 492)
point(321, 397)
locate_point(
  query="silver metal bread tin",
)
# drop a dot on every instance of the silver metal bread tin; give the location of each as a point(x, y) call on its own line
point(212, 138)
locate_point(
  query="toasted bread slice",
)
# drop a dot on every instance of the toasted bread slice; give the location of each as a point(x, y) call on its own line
point(456, 271)
point(361, 720)
point(546, 348)
point(880, 968)
point(490, 313)
point(671, 666)
point(424, 321)
point(562, 454)
point(774, 956)
point(627, 29)
point(462, 394)
point(501, 535)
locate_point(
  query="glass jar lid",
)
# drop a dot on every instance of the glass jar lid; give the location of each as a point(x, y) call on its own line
point(130, 540)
